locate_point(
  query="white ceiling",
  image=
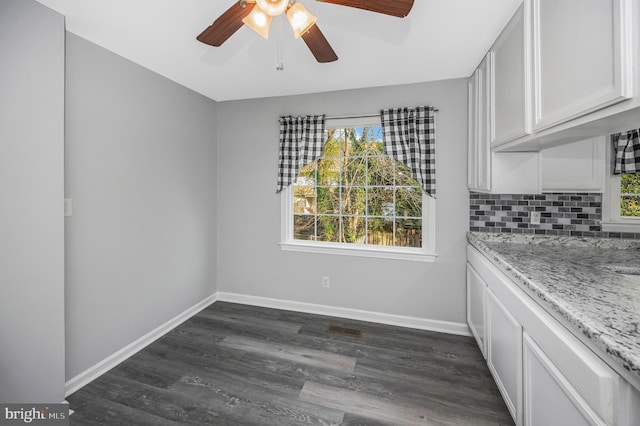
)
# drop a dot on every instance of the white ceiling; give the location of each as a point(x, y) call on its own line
point(440, 39)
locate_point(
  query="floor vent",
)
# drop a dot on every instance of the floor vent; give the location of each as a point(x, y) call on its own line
point(344, 330)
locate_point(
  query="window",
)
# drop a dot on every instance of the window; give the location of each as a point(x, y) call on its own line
point(630, 196)
point(357, 200)
point(621, 209)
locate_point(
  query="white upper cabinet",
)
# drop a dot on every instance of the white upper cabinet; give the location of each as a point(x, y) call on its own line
point(499, 173)
point(574, 167)
point(581, 57)
point(510, 80)
point(479, 155)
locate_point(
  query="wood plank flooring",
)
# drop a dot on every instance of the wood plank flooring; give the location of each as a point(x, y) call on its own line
point(241, 365)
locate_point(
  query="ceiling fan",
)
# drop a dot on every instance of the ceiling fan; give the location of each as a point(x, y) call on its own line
point(257, 15)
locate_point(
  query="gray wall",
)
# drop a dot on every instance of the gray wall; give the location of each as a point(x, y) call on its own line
point(250, 261)
point(31, 189)
point(141, 169)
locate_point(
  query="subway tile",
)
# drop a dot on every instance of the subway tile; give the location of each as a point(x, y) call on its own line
point(577, 214)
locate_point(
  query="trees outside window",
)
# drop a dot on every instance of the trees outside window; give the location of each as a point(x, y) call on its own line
point(356, 194)
point(630, 195)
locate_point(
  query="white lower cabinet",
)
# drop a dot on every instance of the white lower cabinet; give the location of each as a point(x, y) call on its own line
point(504, 353)
point(476, 301)
point(546, 375)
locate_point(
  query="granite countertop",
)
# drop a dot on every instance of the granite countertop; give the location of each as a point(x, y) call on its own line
point(594, 284)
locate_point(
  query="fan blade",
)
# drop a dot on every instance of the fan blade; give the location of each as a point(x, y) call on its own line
point(399, 8)
point(226, 24)
point(319, 46)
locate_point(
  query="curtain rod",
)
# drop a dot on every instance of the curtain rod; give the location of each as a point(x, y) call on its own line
point(341, 117)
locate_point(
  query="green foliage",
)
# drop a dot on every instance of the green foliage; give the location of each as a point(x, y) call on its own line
point(630, 190)
point(630, 184)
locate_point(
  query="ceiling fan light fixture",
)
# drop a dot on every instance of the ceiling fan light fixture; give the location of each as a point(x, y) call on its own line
point(273, 7)
point(258, 21)
point(300, 19)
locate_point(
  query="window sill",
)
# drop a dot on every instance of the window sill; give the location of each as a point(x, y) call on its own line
point(416, 255)
point(626, 226)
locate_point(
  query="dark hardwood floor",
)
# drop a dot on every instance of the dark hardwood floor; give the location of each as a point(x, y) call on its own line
point(241, 365)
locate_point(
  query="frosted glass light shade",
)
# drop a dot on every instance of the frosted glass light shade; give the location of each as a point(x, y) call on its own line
point(300, 19)
point(258, 21)
point(273, 7)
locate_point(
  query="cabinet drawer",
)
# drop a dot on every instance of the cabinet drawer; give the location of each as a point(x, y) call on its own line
point(549, 398)
point(595, 381)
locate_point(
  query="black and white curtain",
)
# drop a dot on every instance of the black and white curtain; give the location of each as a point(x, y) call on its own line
point(409, 137)
point(301, 141)
point(626, 146)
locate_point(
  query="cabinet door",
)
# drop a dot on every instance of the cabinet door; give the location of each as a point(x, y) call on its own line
point(549, 398)
point(476, 293)
point(504, 354)
point(479, 128)
point(581, 59)
point(472, 142)
point(574, 167)
point(510, 82)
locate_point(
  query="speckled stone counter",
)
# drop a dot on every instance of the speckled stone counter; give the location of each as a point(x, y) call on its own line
point(594, 284)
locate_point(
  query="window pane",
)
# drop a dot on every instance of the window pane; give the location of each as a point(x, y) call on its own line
point(329, 228)
point(409, 232)
point(630, 191)
point(304, 227)
point(409, 202)
point(380, 202)
point(630, 206)
point(381, 171)
point(304, 199)
point(328, 200)
point(375, 148)
point(329, 171)
point(630, 184)
point(380, 232)
point(403, 176)
point(354, 171)
point(333, 146)
point(354, 229)
point(307, 175)
point(354, 200)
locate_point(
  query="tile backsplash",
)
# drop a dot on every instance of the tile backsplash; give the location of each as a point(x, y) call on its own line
point(576, 214)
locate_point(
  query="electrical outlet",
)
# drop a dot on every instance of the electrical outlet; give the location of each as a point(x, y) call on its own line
point(68, 207)
point(326, 282)
point(535, 218)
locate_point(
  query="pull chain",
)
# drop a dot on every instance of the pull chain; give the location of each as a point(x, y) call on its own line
point(279, 56)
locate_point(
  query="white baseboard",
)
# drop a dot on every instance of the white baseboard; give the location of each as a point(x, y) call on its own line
point(111, 361)
point(461, 329)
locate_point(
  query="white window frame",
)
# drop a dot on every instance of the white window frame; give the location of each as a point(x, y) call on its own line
point(426, 253)
point(612, 221)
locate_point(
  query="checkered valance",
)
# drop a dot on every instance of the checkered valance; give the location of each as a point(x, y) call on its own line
point(301, 140)
point(410, 138)
point(626, 146)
